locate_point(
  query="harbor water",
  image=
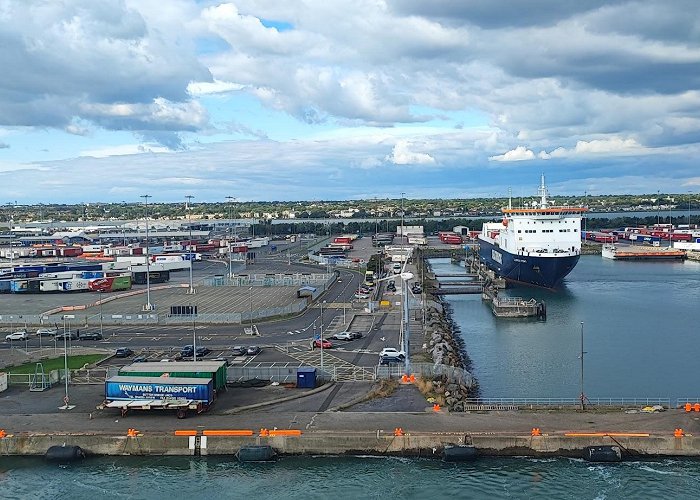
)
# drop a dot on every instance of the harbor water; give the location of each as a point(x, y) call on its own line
point(640, 330)
point(310, 478)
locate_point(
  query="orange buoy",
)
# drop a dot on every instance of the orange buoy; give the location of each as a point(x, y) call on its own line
point(688, 407)
point(536, 431)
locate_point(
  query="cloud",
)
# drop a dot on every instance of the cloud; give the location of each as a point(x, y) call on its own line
point(520, 153)
point(611, 147)
point(4, 145)
point(401, 154)
point(215, 87)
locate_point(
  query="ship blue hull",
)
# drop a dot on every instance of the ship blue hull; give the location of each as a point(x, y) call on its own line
point(547, 272)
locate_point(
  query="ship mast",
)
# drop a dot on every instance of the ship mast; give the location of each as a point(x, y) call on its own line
point(542, 192)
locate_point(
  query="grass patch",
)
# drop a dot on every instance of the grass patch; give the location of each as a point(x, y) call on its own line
point(385, 388)
point(74, 362)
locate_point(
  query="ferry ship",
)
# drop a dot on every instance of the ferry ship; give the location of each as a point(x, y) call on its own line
point(536, 245)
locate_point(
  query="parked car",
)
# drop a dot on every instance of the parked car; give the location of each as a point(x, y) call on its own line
point(361, 296)
point(139, 359)
point(391, 352)
point(323, 345)
point(20, 335)
point(356, 335)
point(253, 350)
point(47, 332)
point(66, 335)
point(239, 350)
point(342, 336)
point(123, 352)
point(187, 351)
point(91, 336)
point(391, 286)
point(203, 351)
point(416, 288)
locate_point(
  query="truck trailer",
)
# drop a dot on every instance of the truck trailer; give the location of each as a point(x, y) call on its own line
point(159, 393)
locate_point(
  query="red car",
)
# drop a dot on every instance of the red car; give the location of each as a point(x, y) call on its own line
point(325, 345)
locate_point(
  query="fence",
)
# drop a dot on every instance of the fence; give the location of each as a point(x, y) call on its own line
point(561, 402)
point(279, 279)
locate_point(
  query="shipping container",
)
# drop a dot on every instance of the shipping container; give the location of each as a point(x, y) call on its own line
point(213, 370)
point(139, 278)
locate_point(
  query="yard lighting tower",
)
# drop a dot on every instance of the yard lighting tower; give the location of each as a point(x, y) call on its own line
point(189, 223)
point(148, 306)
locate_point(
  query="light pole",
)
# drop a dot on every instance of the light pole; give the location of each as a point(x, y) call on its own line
point(582, 396)
point(689, 193)
point(148, 306)
point(66, 398)
point(189, 223)
point(402, 230)
point(321, 345)
point(230, 263)
point(101, 332)
point(250, 295)
point(657, 207)
point(194, 334)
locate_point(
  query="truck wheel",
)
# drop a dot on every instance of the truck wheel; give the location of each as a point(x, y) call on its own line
point(181, 413)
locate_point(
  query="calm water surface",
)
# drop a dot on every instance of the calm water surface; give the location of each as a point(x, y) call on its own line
point(351, 478)
point(641, 333)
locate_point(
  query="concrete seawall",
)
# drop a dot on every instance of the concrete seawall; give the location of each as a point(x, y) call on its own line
point(350, 443)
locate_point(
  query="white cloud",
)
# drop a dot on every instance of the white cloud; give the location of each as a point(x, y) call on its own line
point(613, 146)
point(215, 87)
point(521, 153)
point(124, 149)
point(401, 154)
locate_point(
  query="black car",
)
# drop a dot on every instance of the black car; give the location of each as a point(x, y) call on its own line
point(187, 351)
point(123, 352)
point(139, 359)
point(203, 351)
point(66, 335)
point(91, 336)
point(356, 335)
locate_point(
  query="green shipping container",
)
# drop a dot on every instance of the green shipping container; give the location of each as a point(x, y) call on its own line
point(214, 370)
point(121, 283)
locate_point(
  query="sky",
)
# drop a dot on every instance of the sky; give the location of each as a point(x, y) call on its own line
point(105, 101)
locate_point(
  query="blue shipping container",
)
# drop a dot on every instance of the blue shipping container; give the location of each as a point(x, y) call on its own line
point(121, 388)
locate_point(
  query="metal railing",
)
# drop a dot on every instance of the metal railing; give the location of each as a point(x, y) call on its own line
point(549, 402)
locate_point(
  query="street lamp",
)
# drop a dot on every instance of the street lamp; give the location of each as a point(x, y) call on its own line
point(66, 398)
point(250, 295)
point(148, 306)
point(230, 264)
point(402, 229)
point(189, 223)
point(194, 334)
point(322, 336)
point(582, 397)
point(101, 332)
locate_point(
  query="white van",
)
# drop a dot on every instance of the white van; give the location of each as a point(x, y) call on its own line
point(397, 268)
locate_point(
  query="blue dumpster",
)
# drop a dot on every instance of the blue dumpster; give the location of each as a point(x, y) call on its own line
point(306, 377)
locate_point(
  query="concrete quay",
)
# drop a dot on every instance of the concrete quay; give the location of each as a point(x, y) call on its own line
point(425, 434)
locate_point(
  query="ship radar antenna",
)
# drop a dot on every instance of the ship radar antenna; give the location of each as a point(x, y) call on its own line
point(543, 193)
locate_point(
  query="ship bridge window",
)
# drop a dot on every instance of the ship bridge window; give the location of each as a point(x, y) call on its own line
point(520, 231)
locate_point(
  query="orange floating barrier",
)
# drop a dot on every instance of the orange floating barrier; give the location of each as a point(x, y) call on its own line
point(398, 431)
point(536, 431)
point(696, 407)
point(688, 407)
point(285, 432)
point(436, 407)
point(3, 433)
point(604, 434)
point(185, 433)
point(264, 432)
point(132, 432)
point(678, 433)
point(228, 432)
point(404, 378)
point(412, 378)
